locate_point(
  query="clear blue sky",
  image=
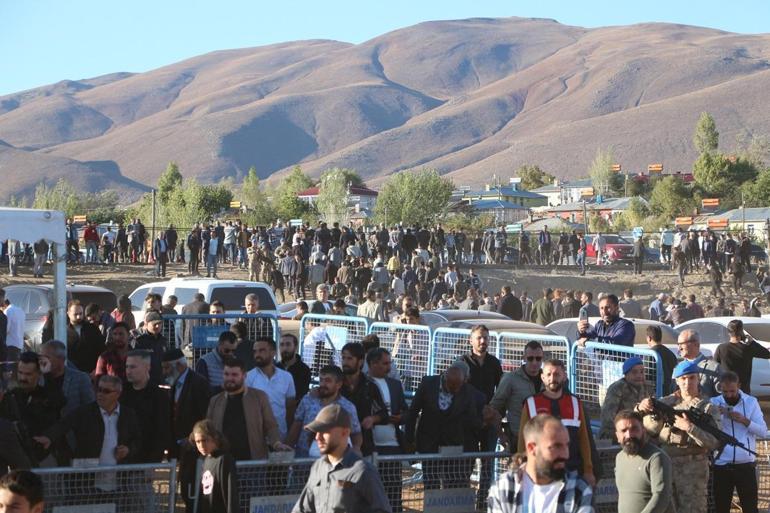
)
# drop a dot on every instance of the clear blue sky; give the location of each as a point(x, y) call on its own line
point(44, 41)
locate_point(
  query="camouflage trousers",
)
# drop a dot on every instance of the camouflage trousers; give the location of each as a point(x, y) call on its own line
point(691, 479)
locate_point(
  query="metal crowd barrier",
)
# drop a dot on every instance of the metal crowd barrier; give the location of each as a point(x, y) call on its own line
point(323, 336)
point(198, 334)
point(451, 343)
point(597, 366)
point(149, 488)
point(410, 347)
point(511, 348)
point(429, 483)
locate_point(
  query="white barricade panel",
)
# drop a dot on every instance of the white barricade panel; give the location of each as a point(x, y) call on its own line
point(410, 347)
point(322, 338)
point(451, 343)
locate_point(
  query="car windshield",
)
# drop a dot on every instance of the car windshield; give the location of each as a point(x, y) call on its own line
point(106, 300)
point(233, 297)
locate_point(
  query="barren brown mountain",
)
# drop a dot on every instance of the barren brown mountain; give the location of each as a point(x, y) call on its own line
point(472, 98)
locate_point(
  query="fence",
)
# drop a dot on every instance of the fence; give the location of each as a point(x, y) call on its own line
point(451, 343)
point(147, 488)
point(323, 336)
point(446, 482)
point(511, 348)
point(596, 366)
point(198, 334)
point(410, 347)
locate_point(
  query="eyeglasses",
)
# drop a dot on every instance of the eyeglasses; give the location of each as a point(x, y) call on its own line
point(534, 358)
point(102, 390)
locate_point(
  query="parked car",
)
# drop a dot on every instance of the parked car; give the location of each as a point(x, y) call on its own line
point(618, 249)
point(713, 331)
point(230, 292)
point(434, 318)
point(289, 310)
point(568, 328)
point(38, 300)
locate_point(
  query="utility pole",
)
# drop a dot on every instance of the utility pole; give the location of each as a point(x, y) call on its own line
point(153, 215)
point(585, 218)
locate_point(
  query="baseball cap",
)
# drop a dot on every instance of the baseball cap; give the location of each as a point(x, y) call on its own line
point(329, 417)
point(152, 317)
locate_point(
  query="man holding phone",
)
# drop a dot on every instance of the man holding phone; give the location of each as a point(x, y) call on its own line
point(735, 468)
point(611, 329)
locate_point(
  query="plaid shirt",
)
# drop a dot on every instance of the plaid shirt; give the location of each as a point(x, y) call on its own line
point(506, 495)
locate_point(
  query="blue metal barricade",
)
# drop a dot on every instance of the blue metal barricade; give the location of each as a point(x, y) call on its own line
point(598, 365)
point(198, 334)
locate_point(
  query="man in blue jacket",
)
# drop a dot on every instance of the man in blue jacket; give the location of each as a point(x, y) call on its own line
point(612, 329)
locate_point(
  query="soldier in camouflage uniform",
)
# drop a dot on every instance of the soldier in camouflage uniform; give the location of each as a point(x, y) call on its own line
point(688, 446)
point(624, 394)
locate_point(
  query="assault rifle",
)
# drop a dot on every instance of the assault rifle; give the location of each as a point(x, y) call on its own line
point(702, 420)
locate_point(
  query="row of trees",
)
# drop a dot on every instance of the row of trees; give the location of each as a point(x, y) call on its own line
point(739, 178)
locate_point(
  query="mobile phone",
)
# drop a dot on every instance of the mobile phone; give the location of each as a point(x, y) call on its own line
point(583, 315)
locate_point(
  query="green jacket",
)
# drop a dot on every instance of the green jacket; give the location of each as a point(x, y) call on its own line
point(542, 312)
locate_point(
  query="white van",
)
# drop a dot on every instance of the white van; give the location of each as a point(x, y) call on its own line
point(230, 292)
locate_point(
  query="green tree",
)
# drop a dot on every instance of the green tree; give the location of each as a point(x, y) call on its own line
point(532, 177)
point(719, 176)
point(671, 198)
point(706, 137)
point(62, 196)
point(603, 179)
point(597, 223)
point(286, 203)
point(417, 196)
point(259, 210)
point(332, 201)
point(636, 214)
point(756, 193)
point(169, 180)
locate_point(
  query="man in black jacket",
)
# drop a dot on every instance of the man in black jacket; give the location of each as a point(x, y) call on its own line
point(510, 304)
point(151, 404)
point(449, 412)
point(152, 340)
point(104, 430)
point(387, 436)
point(189, 399)
point(84, 340)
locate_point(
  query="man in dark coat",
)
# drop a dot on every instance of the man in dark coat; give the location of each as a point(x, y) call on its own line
point(445, 411)
point(88, 425)
point(510, 305)
point(84, 340)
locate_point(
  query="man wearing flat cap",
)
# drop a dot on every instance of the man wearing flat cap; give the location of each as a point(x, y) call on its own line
point(623, 394)
point(339, 480)
point(687, 445)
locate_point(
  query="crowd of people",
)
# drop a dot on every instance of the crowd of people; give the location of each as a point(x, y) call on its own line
point(119, 391)
point(136, 400)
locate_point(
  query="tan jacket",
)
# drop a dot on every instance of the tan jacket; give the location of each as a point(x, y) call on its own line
point(260, 422)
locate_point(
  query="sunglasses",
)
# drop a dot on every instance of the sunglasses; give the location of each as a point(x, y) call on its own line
point(534, 358)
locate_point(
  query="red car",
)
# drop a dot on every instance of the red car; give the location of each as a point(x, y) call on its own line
point(617, 250)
